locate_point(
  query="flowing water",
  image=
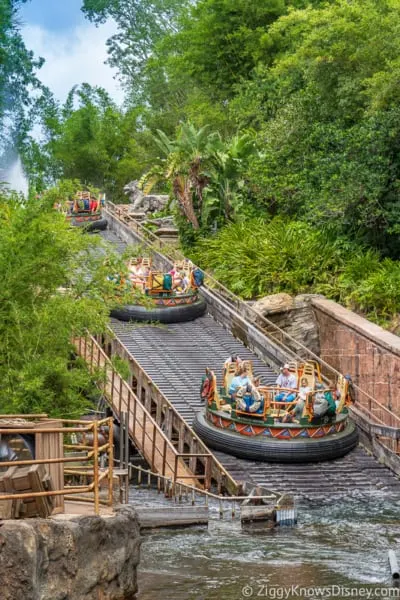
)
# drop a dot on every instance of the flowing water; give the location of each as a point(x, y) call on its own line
point(15, 177)
point(341, 547)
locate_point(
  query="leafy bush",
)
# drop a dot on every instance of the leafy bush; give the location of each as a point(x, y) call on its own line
point(53, 288)
point(259, 257)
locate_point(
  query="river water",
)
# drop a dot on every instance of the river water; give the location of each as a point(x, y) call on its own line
point(341, 546)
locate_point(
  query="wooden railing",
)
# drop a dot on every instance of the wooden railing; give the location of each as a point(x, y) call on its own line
point(367, 407)
point(161, 435)
point(57, 453)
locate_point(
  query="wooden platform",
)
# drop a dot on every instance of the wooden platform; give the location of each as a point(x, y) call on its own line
point(74, 508)
point(172, 516)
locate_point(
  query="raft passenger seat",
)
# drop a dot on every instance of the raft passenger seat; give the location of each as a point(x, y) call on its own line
point(220, 404)
point(155, 283)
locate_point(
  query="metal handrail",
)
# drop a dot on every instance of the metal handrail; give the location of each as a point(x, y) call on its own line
point(175, 489)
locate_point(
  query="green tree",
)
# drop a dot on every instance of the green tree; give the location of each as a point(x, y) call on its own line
point(17, 79)
point(141, 24)
point(88, 138)
point(205, 174)
point(328, 120)
point(53, 288)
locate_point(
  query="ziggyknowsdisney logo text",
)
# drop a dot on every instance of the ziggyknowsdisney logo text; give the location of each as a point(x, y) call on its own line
point(334, 591)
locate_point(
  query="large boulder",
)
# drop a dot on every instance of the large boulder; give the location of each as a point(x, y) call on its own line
point(70, 558)
point(293, 314)
point(276, 303)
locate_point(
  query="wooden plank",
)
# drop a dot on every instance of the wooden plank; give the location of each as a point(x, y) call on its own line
point(251, 513)
point(50, 445)
point(180, 516)
point(9, 509)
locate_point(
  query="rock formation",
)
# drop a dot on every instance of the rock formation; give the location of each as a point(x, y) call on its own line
point(70, 558)
point(294, 315)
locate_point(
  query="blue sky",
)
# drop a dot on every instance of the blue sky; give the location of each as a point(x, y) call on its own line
point(73, 48)
point(53, 15)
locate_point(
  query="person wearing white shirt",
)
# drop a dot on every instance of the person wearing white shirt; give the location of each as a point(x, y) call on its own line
point(289, 381)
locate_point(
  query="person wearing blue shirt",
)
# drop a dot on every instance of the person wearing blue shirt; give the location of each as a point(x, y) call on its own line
point(241, 379)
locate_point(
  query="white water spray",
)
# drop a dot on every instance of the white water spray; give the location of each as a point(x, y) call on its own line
point(15, 177)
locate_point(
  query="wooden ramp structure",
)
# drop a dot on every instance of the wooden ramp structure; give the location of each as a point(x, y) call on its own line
point(151, 424)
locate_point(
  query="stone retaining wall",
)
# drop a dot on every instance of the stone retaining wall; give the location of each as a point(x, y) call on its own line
point(75, 558)
point(354, 345)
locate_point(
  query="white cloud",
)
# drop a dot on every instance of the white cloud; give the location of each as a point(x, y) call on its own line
point(74, 57)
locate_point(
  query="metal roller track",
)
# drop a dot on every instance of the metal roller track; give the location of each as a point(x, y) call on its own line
point(175, 357)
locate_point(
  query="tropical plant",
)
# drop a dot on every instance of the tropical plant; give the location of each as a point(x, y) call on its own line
point(54, 287)
point(257, 257)
point(185, 166)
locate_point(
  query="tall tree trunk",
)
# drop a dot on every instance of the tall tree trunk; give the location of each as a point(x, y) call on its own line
point(183, 193)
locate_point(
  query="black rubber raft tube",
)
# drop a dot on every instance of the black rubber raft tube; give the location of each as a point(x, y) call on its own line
point(273, 450)
point(162, 314)
point(99, 225)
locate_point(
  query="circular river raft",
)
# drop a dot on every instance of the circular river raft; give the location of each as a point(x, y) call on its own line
point(286, 443)
point(88, 222)
point(175, 310)
point(175, 296)
point(251, 423)
point(84, 211)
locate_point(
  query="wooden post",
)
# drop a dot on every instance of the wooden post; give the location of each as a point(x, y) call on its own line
point(144, 430)
point(147, 391)
point(126, 486)
point(112, 386)
point(120, 395)
point(168, 425)
point(153, 447)
point(193, 450)
point(181, 439)
point(207, 473)
point(51, 445)
point(96, 467)
point(164, 455)
point(139, 386)
point(159, 409)
point(110, 461)
point(130, 400)
point(122, 440)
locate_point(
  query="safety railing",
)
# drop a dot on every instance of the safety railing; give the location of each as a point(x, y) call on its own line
point(153, 421)
point(291, 348)
point(94, 439)
point(178, 491)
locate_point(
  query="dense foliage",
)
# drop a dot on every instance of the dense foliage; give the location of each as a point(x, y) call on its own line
point(248, 111)
point(256, 258)
point(53, 287)
point(17, 81)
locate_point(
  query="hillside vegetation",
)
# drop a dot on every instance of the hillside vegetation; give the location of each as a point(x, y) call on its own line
point(275, 126)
